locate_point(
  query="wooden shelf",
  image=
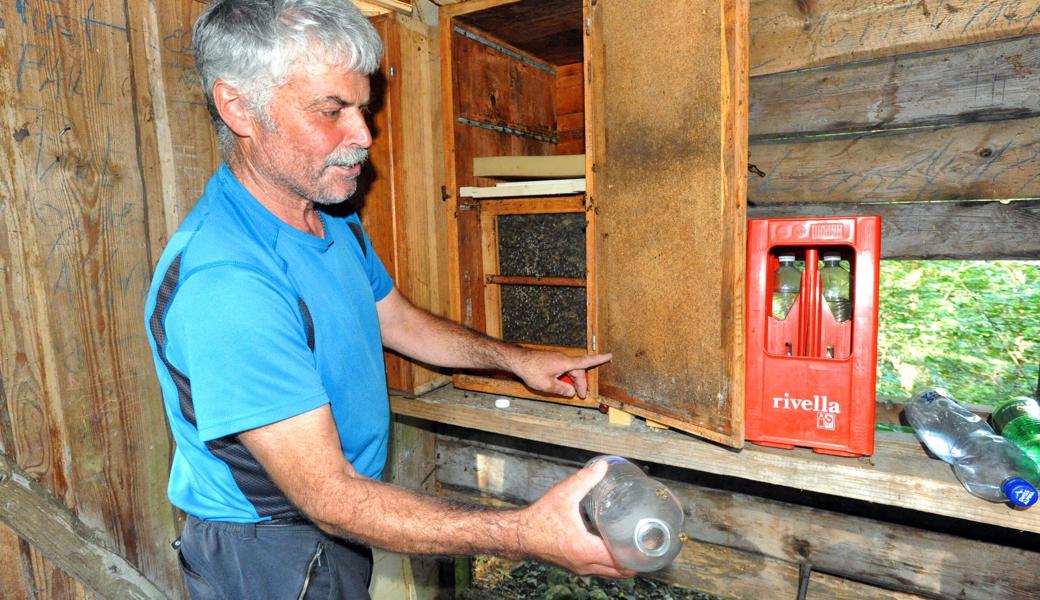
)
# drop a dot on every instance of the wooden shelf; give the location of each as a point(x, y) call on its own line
point(520, 189)
point(899, 474)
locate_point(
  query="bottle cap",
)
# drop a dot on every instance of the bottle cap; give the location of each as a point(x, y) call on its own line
point(786, 257)
point(502, 403)
point(831, 256)
point(1019, 491)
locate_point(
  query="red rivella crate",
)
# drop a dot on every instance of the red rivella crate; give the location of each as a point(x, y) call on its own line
point(811, 378)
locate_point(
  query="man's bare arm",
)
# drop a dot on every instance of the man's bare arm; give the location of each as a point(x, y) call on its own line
point(426, 337)
point(318, 479)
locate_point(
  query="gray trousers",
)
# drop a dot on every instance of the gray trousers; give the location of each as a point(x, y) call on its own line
point(296, 560)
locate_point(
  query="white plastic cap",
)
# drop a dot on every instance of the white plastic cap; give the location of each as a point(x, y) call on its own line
point(786, 258)
point(831, 256)
point(501, 402)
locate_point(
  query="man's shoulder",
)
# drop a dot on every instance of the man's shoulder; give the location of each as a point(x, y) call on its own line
point(215, 235)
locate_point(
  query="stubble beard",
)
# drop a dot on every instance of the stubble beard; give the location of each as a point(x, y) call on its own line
point(346, 158)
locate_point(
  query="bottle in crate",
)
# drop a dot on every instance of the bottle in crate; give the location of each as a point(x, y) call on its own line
point(810, 378)
point(787, 283)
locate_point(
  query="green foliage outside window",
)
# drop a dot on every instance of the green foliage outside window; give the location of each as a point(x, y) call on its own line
point(972, 327)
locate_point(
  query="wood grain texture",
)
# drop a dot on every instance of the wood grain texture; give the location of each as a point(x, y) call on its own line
point(83, 202)
point(953, 230)
point(787, 36)
point(984, 82)
point(38, 517)
point(975, 161)
point(898, 474)
point(668, 211)
point(893, 556)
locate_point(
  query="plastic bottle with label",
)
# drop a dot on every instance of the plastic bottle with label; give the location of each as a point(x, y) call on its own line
point(835, 281)
point(787, 283)
point(1018, 420)
point(639, 519)
point(988, 465)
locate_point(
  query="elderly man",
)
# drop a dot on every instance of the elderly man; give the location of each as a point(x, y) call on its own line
point(268, 319)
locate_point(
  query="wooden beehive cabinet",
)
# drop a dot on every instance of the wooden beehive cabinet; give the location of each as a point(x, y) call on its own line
point(663, 239)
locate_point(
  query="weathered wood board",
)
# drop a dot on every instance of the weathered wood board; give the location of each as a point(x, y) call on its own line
point(898, 474)
point(889, 555)
point(787, 36)
point(975, 161)
point(984, 82)
point(103, 146)
point(947, 230)
point(667, 191)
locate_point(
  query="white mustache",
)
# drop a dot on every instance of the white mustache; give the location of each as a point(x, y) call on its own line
point(347, 158)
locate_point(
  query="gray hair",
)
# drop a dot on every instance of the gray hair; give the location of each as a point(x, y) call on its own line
point(250, 44)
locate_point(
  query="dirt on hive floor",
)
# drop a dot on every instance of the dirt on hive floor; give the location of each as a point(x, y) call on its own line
point(497, 579)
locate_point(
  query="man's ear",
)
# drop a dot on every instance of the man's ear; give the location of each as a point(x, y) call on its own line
point(231, 105)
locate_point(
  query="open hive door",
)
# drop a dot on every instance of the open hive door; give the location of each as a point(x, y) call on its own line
point(667, 120)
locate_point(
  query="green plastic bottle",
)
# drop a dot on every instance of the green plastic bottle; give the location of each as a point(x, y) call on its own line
point(1018, 420)
point(835, 281)
point(787, 283)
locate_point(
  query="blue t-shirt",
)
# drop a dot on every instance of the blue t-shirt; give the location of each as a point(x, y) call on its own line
point(252, 321)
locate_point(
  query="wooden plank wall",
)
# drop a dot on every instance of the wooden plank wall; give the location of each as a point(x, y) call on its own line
point(742, 544)
point(853, 105)
point(107, 142)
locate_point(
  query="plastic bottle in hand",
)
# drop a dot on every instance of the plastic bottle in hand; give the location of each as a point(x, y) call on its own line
point(787, 282)
point(639, 519)
point(1018, 420)
point(988, 465)
point(835, 282)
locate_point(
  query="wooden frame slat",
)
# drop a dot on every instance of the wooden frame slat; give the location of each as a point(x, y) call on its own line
point(521, 280)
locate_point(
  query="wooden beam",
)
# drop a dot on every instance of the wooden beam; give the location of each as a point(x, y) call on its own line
point(549, 187)
point(519, 280)
point(899, 473)
point(899, 557)
point(978, 161)
point(786, 36)
point(533, 206)
point(553, 166)
point(982, 82)
point(397, 6)
point(39, 518)
point(955, 230)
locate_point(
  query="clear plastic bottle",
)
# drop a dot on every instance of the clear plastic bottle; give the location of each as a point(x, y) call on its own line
point(787, 283)
point(639, 519)
point(988, 465)
point(835, 282)
point(1018, 420)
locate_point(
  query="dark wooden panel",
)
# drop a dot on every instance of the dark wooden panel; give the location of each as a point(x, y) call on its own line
point(548, 29)
point(983, 82)
point(960, 230)
point(496, 88)
point(669, 211)
point(570, 109)
point(976, 161)
point(787, 36)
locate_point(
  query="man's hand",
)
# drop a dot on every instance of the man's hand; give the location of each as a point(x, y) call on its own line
point(541, 370)
point(552, 529)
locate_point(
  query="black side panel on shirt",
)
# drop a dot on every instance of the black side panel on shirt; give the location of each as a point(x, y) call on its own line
point(254, 482)
point(359, 236)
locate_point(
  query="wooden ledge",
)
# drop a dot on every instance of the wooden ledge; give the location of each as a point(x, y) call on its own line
point(899, 474)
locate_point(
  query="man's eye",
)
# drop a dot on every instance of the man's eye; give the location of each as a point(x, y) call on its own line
point(330, 113)
point(366, 110)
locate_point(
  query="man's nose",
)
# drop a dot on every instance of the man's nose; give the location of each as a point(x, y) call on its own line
point(358, 134)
